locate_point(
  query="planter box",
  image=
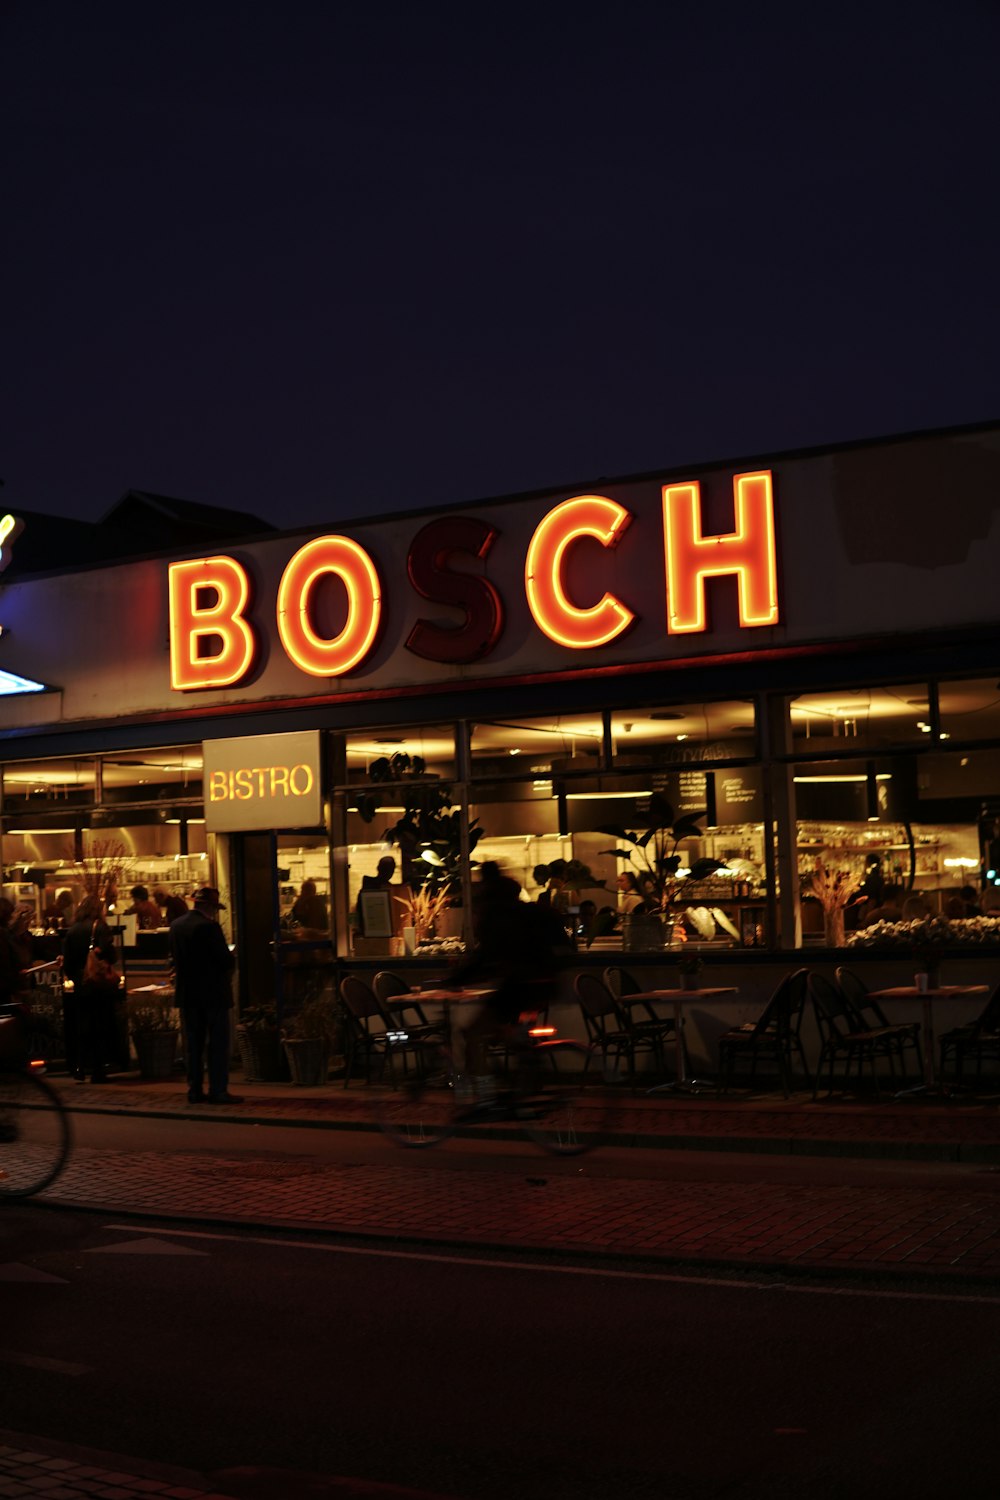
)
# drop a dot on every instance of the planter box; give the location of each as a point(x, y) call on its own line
point(263, 1058)
point(156, 1053)
point(308, 1061)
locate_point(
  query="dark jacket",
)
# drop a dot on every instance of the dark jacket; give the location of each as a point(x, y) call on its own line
point(203, 964)
point(77, 946)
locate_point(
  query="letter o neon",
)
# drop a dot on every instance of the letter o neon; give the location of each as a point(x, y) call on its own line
point(351, 564)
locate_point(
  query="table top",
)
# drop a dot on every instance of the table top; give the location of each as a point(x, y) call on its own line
point(940, 992)
point(439, 996)
point(708, 993)
point(152, 989)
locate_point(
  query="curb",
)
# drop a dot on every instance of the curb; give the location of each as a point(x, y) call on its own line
point(970, 1153)
point(697, 1269)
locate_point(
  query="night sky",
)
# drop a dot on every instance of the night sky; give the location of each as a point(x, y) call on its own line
point(323, 261)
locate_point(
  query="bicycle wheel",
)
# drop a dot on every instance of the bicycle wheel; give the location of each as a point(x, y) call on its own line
point(421, 1110)
point(558, 1107)
point(34, 1135)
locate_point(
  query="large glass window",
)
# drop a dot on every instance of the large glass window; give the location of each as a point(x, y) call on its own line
point(860, 719)
point(970, 710)
point(403, 844)
point(138, 776)
point(681, 732)
point(48, 787)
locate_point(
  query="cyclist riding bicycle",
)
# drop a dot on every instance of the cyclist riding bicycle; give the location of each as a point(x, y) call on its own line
point(520, 945)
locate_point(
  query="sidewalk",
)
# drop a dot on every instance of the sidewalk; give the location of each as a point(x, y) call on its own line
point(963, 1129)
point(48, 1470)
point(910, 1190)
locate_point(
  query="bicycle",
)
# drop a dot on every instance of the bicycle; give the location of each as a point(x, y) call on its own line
point(34, 1127)
point(543, 1088)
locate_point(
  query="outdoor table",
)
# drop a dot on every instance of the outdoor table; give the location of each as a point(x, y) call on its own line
point(437, 995)
point(678, 999)
point(940, 992)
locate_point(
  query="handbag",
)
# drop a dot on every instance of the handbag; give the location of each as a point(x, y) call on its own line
point(97, 970)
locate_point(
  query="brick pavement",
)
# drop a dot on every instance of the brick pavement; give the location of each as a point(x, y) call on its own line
point(944, 1225)
point(49, 1470)
point(948, 1224)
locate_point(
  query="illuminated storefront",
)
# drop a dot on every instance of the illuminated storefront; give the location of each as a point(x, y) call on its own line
point(798, 653)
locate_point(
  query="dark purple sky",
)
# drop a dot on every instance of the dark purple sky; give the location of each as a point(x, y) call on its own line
point(316, 261)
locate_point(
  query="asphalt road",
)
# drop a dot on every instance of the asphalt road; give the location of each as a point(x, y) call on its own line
point(484, 1376)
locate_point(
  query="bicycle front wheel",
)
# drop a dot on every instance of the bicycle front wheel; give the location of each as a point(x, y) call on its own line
point(34, 1135)
point(559, 1108)
point(421, 1110)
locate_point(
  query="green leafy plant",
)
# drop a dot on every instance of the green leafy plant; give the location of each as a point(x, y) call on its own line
point(429, 832)
point(653, 854)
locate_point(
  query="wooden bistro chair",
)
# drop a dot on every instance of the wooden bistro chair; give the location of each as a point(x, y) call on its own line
point(897, 1036)
point(774, 1036)
point(980, 1039)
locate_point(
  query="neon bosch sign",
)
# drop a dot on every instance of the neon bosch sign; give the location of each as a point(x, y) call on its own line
point(213, 640)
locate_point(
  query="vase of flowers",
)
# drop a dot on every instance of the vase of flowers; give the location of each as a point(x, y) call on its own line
point(834, 890)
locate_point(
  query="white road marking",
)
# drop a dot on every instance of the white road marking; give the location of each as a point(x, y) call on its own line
point(144, 1247)
point(15, 1271)
point(535, 1266)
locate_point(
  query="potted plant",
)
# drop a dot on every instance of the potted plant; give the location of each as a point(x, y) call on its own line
point(655, 861)
point(260, 1044)
point(154, 1028)
point(424, 909)
point(309, 1035)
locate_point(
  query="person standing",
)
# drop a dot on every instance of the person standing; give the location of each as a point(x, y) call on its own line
point(89, 1007)
point(203, 972)
point(146, 910)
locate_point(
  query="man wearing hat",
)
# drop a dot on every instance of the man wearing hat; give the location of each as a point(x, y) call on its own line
point(203, 971)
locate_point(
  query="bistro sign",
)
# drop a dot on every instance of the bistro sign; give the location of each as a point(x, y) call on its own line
point(263, 782)
point(216, 626)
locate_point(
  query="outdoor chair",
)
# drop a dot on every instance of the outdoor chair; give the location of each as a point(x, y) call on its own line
point(611, 1029)
point(897, 1035)
point(389, 986)
point(980, 1039)
point(642, 1015)
point(844, 1033)
point(774, 1036)
point(371, 1032)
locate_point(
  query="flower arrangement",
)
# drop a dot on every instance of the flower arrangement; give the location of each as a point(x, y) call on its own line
point(926, 936)
point(834, 890)
point(422, 909)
